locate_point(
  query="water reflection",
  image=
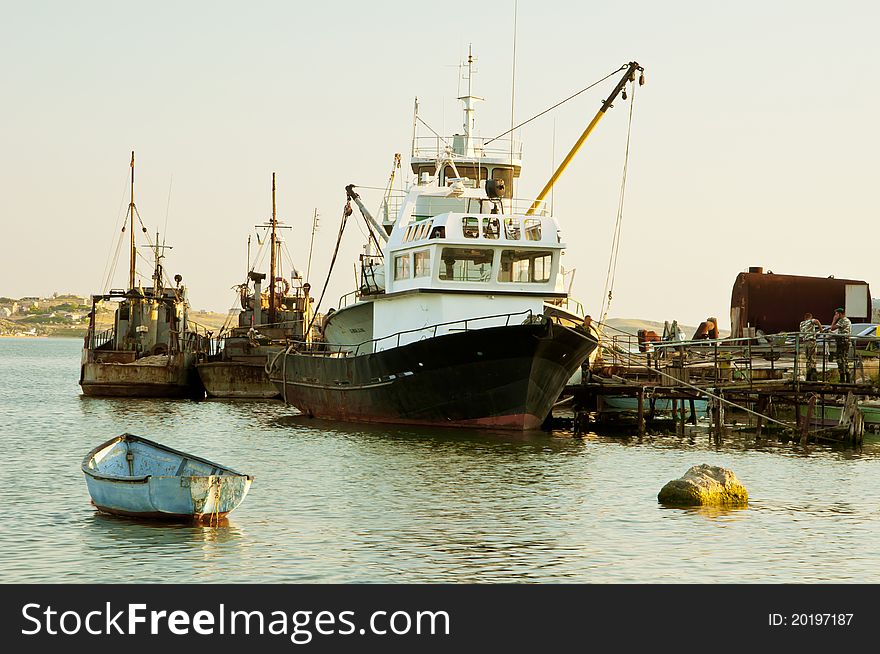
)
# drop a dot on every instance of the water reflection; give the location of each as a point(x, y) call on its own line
point(710, 512)
point(417, 433)
point(129, 408)
point(104, 531)
point(344, 502)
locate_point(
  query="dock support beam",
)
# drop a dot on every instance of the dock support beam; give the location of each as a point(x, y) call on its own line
point(805, 427)
point(641, 412)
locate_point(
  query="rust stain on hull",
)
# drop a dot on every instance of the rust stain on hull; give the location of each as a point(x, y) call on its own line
point(235, 379)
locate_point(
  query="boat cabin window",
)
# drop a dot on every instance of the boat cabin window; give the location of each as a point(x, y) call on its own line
point(470, 226)
point(123, 312)
point(511, 228)
point(426, 170)
point(422, 263)
point(525, 266)
point(533, 229)
point(417, 231)
point(491, 227)
point(423, 229)
point(401, 266)
point(471, 172)
point(439, 231)
point(466, 264)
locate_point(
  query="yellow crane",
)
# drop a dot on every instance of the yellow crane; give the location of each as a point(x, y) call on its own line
point(628, 76)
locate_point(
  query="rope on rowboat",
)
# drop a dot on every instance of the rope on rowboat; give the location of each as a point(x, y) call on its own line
point(214, 493)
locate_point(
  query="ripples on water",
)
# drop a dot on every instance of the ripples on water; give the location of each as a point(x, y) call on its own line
point(350, 503)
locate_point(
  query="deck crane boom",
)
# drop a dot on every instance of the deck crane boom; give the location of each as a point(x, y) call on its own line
point(628, 76)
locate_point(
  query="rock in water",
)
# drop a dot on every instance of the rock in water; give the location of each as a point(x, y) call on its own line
point(704, 484)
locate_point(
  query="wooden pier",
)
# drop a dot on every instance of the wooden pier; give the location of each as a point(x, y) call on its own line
point(757, 385)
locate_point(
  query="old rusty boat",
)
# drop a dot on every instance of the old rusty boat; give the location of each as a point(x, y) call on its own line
point(266, 322)
point(132, 476)
point(151, 347)
point(448, 325)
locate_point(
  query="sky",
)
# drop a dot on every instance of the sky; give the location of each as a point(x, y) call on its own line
point(754, 141)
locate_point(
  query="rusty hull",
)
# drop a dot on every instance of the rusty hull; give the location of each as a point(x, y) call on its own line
point(237, 379)
point(177, 379)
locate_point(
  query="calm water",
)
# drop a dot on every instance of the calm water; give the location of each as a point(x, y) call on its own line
point(344, 503)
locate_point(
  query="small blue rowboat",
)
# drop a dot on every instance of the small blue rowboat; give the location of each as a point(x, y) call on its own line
point(132, 476)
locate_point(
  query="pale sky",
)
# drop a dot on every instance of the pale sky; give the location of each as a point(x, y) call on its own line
point(754, 140)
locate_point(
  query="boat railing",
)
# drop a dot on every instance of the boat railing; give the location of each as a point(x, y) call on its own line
point(429, 331)
point(348, 297)
point(198, 339)
point(569, 304)
point(433, 147)
point(102, 338)
point(390, 207)
point(371, 280)
point(523, 206)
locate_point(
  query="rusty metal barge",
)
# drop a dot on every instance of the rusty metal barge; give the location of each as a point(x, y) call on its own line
point(237, 368)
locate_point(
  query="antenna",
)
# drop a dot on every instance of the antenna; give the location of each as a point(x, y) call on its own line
point(512, 98)
point(415, 124)
point(167, 211)
point(312, 243)
point(157, 271)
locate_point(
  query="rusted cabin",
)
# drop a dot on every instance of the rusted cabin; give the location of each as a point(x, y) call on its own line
point(776, 303)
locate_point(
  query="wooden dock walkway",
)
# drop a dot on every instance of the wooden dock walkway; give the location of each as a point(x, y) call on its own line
point(760, 384)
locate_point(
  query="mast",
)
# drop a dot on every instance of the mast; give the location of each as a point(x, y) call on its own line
point(469, 109)
point(628, 76)
point(131, 211)
point(274, 244)
point(272, 260)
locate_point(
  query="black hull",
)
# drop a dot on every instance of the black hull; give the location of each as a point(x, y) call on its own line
point(498, 377)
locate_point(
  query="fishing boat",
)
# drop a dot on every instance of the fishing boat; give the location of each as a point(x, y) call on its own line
point(151, 348)
point(267, 321)
point(132, 476)
point(448, 325)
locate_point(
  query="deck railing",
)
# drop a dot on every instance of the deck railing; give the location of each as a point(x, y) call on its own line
point(432, 147)
point(430, 331)
point(741, 360)
point(102, 338)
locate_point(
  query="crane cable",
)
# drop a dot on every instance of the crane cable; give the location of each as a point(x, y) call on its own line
point(346, 212)
point(608, 292)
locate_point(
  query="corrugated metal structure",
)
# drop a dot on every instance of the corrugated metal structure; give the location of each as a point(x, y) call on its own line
point(776, 303)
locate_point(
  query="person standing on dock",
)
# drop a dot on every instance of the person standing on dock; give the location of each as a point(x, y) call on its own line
point(809, 327)
point(843, 326)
